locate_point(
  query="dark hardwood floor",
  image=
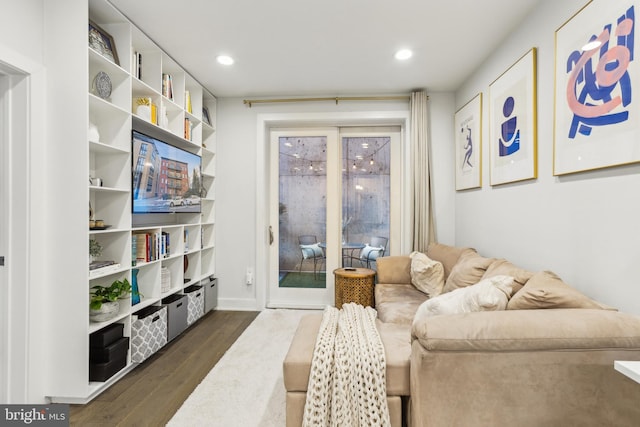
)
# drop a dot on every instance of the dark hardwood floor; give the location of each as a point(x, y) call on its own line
point(152, 393)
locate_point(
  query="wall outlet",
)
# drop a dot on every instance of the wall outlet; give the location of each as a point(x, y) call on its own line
point(249, 276)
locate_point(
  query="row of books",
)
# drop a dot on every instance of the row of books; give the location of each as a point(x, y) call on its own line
point(151, 246)
point(188, 127)
point(167, 86)
point(136, 65)
point(187, 102)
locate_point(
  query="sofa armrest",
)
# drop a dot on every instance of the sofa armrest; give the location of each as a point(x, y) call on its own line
point(528, 330)
point(394, 269)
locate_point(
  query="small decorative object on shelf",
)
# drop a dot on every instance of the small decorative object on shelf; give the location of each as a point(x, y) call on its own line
point(103, 303)
point(205, 116)
point(135, 294)
point(107, 311)
point(92, 133)
point(102, 42)
point(101, 85)
point(95, 249)
point(146, 109)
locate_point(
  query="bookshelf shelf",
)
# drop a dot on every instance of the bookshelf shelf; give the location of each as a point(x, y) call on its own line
point(140, 73)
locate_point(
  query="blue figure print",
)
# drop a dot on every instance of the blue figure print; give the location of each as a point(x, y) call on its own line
point(509, 143)
point(599, 85)
point(469, 148)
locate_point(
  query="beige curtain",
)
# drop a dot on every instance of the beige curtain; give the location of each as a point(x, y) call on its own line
point(423, 228)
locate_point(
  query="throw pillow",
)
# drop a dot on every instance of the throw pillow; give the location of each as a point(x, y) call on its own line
point(311, 251)
point(506, 268)
point(546, 290)
point(427, 275)
point(487, 295)
point(447, 255)
point(468, 270)
point(370, 252)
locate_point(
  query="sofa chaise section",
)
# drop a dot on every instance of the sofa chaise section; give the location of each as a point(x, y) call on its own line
point(524, 368)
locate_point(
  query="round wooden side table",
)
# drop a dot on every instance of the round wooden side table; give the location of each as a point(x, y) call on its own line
point(354, 285)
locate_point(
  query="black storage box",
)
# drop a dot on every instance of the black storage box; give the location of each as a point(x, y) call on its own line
point(107, 335)
point(103, 371)
point(110, 352)
point(176, 315)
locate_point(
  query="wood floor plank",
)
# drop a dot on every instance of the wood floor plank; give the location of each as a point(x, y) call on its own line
point(155, 390)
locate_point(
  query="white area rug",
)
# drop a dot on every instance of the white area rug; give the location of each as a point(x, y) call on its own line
point(245, 388)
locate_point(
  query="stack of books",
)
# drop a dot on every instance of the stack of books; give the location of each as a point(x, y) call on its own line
point(98, 268)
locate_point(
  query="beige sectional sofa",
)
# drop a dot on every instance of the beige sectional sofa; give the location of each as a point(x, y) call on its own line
point(544, 359)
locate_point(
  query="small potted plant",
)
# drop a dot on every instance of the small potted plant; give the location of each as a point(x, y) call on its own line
point(95, 250)
point(124, 289)
point(103, 303)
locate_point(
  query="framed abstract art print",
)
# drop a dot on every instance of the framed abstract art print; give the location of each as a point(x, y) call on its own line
point(513, 122)
point(597, 113)
point(468, 137)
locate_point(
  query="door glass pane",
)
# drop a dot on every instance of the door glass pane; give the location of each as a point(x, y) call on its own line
point(365, 199)
point(302, 211)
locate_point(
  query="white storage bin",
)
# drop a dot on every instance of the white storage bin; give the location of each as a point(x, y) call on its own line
point(148, 332)
point(195, 306)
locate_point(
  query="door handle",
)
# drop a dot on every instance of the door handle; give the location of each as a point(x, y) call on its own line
point(270, 235)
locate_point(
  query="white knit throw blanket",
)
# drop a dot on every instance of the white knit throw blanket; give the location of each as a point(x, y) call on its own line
point(347, 384)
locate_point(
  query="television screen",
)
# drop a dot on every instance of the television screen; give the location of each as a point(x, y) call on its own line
point(165, 179)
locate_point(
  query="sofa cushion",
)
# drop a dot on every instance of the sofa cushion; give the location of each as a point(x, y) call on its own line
point(397, 303)
point(506, 268)
point(396, 340)
point(488, 295)
point(546, 290)
point(468, 271)
point(426, 274)
point(447, 255)
point(394, 269)
point(297, 362)
point(529, 330)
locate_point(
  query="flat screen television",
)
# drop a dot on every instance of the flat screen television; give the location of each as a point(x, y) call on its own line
point(165, 178)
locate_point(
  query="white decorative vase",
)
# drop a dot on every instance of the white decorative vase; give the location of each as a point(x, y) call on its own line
point(108, 311)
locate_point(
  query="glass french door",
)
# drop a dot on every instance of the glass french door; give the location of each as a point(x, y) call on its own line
point(332, 195)
point(304, 217)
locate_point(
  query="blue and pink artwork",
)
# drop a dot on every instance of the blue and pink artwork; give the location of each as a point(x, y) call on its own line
point(596, 123)
point(599, 88)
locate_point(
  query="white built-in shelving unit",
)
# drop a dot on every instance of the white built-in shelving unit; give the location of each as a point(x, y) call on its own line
point(110, 157)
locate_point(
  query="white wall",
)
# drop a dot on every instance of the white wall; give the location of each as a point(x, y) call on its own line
point(582, 226)
point(236, 183)
point(17, 16)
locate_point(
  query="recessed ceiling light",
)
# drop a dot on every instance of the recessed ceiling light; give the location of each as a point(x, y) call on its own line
point(224, 59)
point(403, 54)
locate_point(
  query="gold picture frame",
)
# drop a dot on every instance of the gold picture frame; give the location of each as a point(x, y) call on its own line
point(595, 117)
point(102, 42)
point(513, 127)
point(468, 139)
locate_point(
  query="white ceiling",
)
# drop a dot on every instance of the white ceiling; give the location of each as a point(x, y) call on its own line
point(327, 47)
